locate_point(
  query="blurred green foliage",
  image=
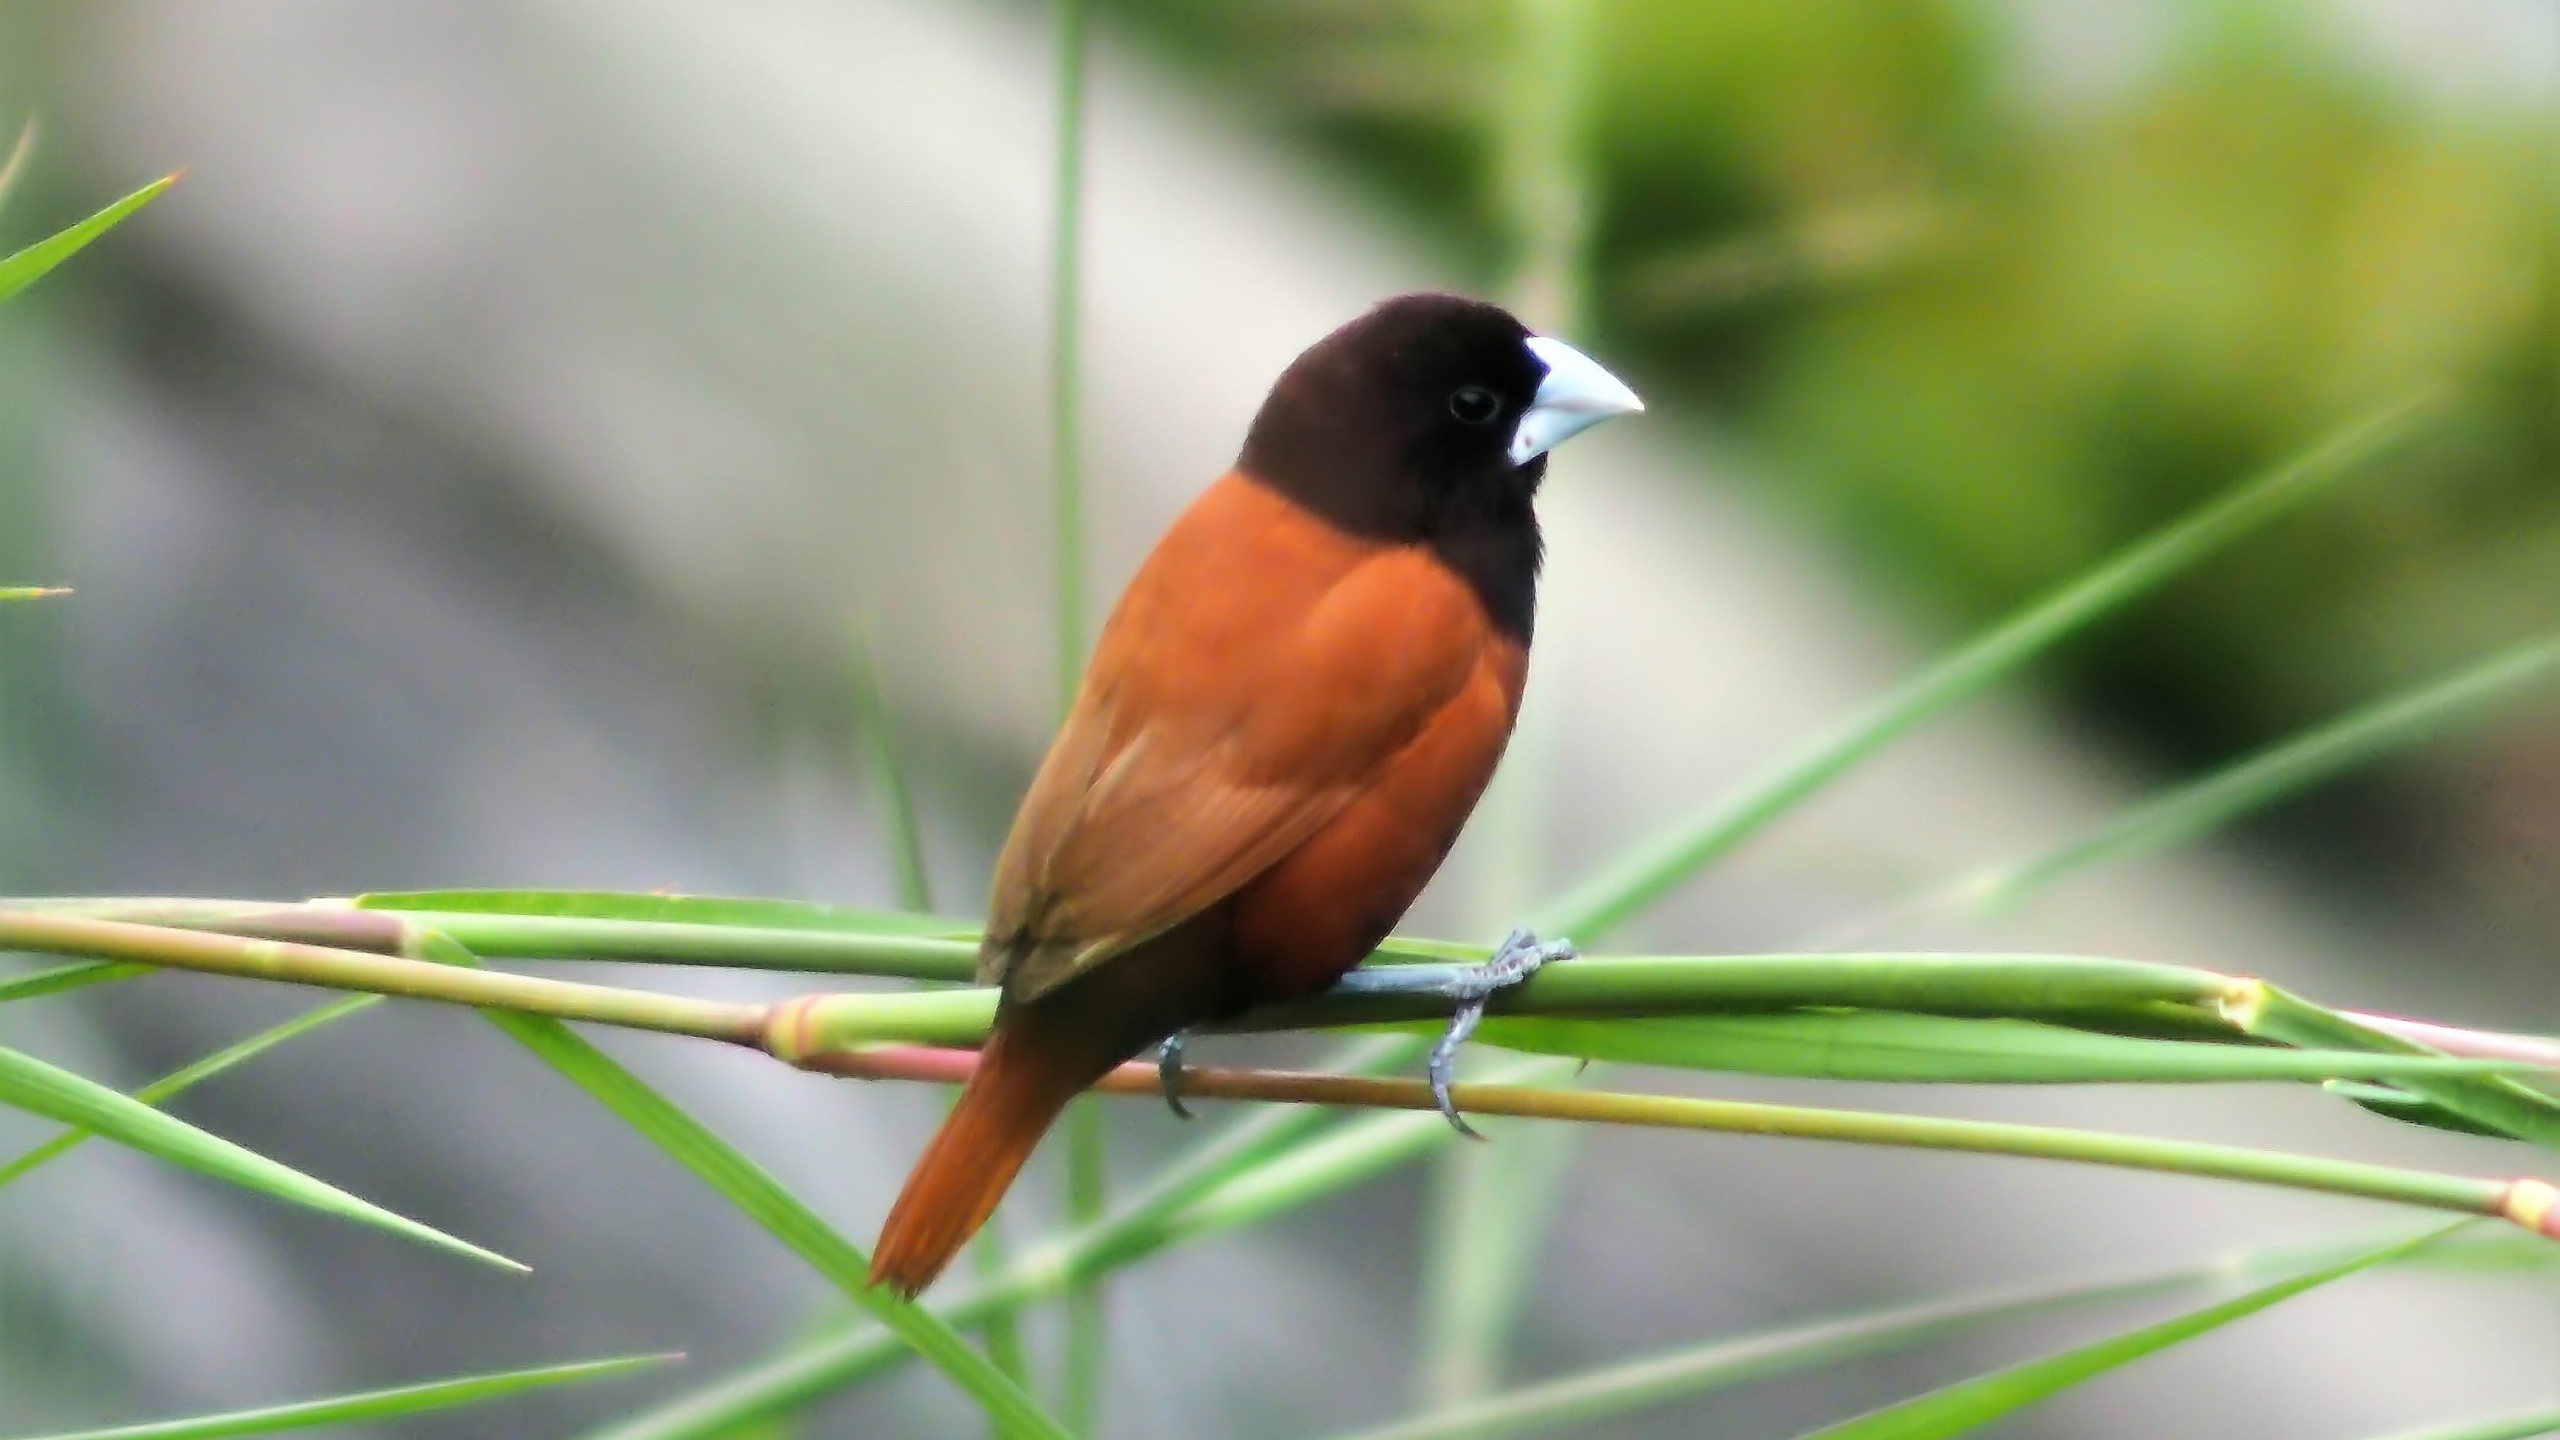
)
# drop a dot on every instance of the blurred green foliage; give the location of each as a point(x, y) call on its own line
point(1992, 288)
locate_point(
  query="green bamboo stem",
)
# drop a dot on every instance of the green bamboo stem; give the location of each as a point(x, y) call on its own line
point(1597, 986)
point(298, 963)
point(813, 1023)
point(948, 958)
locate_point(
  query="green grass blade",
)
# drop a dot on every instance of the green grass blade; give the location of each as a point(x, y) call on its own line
point(1984, 1399)
point(1690, 1372)
point(30, 265)
point(756, 1194)
point(372, 1404)
point(2272, 774)
point(55, 979)
point(180, 1080)
point(898, 805)
point(1087, 1165)
point(20, 152)
point(1486, 1231)
point(918, 949)
point(2511, 1427)
point(2493, 1101)
point(1878, 1046)
point(1144, 1225)
point(2393, 1103)
point(1628, 885)
point(696, 910)
point(31, 592)
point(32, 1085)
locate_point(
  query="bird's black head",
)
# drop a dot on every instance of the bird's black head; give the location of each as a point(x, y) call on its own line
point(1427, 421)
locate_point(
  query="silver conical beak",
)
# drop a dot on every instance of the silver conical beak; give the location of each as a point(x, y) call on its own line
point(1576, 395)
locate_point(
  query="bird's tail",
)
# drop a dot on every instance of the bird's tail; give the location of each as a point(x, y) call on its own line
point(1016, 1092)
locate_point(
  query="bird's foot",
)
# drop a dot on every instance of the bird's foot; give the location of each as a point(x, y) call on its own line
point(1518, 957)
point(1169, 1073)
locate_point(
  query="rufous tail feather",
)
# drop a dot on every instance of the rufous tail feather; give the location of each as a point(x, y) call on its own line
point(1011, 1099)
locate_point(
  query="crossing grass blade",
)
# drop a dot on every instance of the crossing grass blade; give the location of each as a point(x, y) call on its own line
point(756, 1194)
point(56, 979)
point(2511, 1427)
point(706, 910)
point(29, 1084)
point(181, 1080)
point(1879, 1046)
point(2188, 811)
point(20, 152)
point(27, 266)
point(897, 798)
point(371, 1405)
point(1691, 1372)
point(2393, 1103)
point(1973, 1403)
point(1621, 889)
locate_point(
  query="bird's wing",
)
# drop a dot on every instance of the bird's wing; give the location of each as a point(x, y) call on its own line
point(1238, 702)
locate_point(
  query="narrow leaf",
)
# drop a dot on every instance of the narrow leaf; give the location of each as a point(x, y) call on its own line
point(20, 153)
point(2512, 1427)
point(372, 1404)
point(180, 1080)
point(1603, 1393)
point(898, 804)
point(1984, 1399)
point(2491, 1100)
point(2392, 1103)
point(30, 265)
point(667, 909)
point(32, 1085)
point(1636, 880)
point(31, 592)
point(2272, 774)
point(55, 979)
point(1881, 1046)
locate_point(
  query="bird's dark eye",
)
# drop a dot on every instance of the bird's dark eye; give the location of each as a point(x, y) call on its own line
point(1474, 405)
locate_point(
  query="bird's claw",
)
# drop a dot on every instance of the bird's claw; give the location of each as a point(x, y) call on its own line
point(1169, 1074)
point(1518, 957)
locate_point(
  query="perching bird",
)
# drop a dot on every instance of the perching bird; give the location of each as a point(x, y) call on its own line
point(1286, 720)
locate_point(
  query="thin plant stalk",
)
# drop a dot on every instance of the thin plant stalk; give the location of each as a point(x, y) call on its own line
point(432, 1396)
point(1087, 1160)
point(914, 886)
point(188, 1077)
point(1491, 1204)
point(2270, 775)
point(2522, 1201)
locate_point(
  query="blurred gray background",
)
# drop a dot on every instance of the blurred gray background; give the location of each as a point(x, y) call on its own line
point(474, 473)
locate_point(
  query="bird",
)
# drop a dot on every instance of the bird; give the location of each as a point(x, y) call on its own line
point(1287, 717)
